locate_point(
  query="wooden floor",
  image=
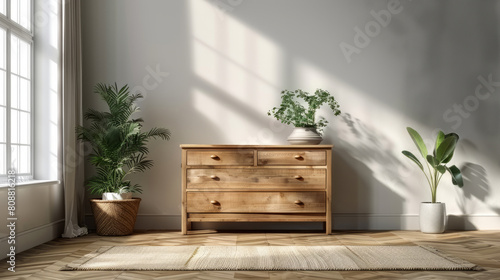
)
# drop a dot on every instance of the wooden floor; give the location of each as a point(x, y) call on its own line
point(479, 247)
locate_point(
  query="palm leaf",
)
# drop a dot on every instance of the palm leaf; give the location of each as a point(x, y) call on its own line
point(118, 145)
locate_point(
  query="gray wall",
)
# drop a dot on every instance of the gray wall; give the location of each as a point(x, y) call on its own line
point(210, 70)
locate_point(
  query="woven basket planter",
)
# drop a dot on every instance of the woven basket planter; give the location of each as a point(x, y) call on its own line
point(115, 217)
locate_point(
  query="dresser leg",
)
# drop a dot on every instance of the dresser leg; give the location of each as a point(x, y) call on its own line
point(184, 227)
point(328, 227)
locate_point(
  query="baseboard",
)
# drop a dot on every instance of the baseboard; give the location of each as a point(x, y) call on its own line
point(30, 238)
point(341, 221)
point(357, 221)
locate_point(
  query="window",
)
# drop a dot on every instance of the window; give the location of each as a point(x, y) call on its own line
point(16, 82)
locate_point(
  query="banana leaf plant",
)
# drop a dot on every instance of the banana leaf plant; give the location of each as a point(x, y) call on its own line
point(119, 147)
point(436, 163)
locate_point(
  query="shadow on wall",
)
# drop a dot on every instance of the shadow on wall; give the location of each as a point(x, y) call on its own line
point(368, 176)
point(475, 185)
point(373, 148)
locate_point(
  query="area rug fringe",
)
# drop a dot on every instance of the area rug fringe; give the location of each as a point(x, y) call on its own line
point(456, 260)
point(75, 265)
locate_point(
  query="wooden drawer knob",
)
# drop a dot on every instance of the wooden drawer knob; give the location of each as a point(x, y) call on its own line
point(214, 202)
point(298, 202)
point(214, 177)
point(298, 177)
point(298, 157)
point(214, 157)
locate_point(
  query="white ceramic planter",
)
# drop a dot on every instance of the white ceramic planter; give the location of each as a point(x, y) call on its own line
point(432, 217)
point(304, 136)
point(116, 196)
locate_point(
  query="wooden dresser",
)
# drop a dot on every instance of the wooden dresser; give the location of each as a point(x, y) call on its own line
point(256, 183)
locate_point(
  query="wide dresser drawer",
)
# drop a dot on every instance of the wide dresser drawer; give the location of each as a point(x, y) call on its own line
point(291, 157)
point(256, 202)
point(242, 157)
point(256, 178)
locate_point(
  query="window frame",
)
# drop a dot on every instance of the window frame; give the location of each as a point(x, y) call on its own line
point(13, 28)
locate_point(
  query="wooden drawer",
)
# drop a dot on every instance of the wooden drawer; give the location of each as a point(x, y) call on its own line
point(258, 178)
point(291, 157)
point(256, 202)
point(220, 157)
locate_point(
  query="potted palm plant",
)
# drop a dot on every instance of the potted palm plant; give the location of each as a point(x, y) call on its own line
point(308, 128)
point(433, 214)
point(119, 149)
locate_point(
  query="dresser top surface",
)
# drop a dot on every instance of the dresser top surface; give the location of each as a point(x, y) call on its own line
point(198, 146)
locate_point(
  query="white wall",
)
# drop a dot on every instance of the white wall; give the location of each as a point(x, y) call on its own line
point(40, 216)
point(220, 66)
point(40, 205)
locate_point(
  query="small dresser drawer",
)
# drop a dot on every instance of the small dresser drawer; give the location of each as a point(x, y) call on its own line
point(256, 202)
point(291, 157)
point(258, 178)
point(220, 157)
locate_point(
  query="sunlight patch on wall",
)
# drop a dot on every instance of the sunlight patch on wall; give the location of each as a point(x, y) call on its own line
point(372, 140)
point(232, 56)
point(226, 117)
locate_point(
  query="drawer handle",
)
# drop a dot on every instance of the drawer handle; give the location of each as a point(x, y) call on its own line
point(214, 177)
point(298, 202)
point(214, 157)
point(298, 157)
point(214, 202)
point(298, 177)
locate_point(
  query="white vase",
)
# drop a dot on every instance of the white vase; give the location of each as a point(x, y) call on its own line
point(304, 136)
point(116, 196)
point(432, 217)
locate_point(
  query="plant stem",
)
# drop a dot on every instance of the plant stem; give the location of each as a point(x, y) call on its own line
point(431, 181)
point(434, 187)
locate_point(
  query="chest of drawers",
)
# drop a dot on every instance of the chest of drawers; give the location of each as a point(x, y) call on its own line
point(256, 183)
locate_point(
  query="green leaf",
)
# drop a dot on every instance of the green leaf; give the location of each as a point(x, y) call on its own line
point(446, 160)
point(452, 134)
point(432, 160)
point(446, 148)
point(456, 176)
point(414, 159)
point(119, 147)
point(417, 139)
point(439, 140)
point(441, 169)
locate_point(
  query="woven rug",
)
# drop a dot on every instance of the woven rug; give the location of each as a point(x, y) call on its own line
point(268, 258)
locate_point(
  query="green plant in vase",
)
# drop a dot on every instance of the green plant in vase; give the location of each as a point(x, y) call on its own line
point(434, 167)
point(299, 108)
point(119, 147)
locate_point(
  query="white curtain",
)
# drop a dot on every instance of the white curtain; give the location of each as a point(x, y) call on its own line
point(72, 177)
